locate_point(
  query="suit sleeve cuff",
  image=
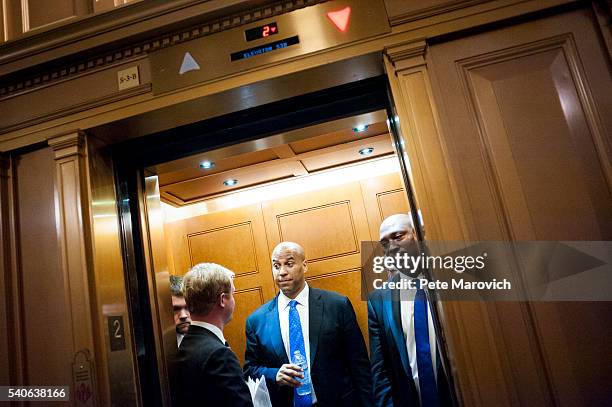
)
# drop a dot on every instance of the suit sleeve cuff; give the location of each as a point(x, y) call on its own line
point(270, 374)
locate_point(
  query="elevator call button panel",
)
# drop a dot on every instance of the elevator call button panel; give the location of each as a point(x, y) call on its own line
point(267, 41)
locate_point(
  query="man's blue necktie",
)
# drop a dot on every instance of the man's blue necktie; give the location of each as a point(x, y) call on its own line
point(296, 343)
point(427, 380)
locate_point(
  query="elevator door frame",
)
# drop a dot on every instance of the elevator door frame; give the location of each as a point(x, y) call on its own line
point(133, 156)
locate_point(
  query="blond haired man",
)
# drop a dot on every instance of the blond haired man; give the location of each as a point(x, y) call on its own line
point(208, 371)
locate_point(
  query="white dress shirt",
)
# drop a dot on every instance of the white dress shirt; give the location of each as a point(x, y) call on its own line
point(179, 338)
point(283, 316)
point(407, 312)
point(212, 328)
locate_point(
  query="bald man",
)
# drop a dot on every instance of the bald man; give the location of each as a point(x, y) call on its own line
point(304, 320)
point(405, 361)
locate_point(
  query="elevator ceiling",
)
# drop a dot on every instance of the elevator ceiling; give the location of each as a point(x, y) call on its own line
point(277, 158)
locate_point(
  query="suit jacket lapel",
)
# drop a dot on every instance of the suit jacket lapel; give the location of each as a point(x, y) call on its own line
point(315, 318)
point(393, 320)
point(274, 332)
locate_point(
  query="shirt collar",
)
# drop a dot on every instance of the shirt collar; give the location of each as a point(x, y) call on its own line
point(212, 328)
point(301, 298)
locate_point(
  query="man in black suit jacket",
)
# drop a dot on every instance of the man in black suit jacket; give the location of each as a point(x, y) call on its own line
point(334, 345)
point(207, 370)
point(392, 336)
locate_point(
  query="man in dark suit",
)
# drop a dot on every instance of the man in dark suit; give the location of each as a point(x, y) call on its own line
point(207, 370)
point(406, 363)
point(182, 319)
point(319, 323)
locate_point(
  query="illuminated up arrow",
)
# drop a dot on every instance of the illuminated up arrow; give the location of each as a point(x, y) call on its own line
point(189, 64)
point(340, 18)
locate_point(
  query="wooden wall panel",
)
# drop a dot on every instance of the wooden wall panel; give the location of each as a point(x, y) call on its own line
point(327, 230)
point(74, 230)
point(527, 126)
point(44, 296)
point(13, 22)
point(43, 12)
point(542, 130)
point(2, 14)
point(247, 301)
point(539, 140)
point(348, 282)
point(103, 5)
point(330, 224)
point(39, 13)
point(106, 5)
point(392, 202)
point(204, 247)
point(50, 102)
point(5, 270)
point(402, 11)
point(236, 239)
point(383, 196)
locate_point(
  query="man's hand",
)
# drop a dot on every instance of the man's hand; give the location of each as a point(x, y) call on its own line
point(287, 373)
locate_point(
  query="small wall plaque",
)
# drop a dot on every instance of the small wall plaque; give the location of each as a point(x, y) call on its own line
point(128, 78)
point(116, 333)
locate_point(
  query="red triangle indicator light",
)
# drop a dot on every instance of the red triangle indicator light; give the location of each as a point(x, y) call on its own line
point(340, 18)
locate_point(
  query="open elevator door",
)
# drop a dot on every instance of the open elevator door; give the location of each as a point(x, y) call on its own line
point(142, 220)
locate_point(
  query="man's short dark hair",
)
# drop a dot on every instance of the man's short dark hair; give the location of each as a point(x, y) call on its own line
point(176, 286)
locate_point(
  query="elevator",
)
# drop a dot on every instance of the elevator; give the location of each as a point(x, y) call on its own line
point(488, 121)
point(322, 168)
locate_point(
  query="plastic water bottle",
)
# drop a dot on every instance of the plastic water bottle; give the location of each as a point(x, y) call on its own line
point(300, 360)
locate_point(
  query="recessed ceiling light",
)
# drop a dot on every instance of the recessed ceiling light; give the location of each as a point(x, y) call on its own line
point(230, 182)
point(207, 164)
point(366, 151)
point(361, 128)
